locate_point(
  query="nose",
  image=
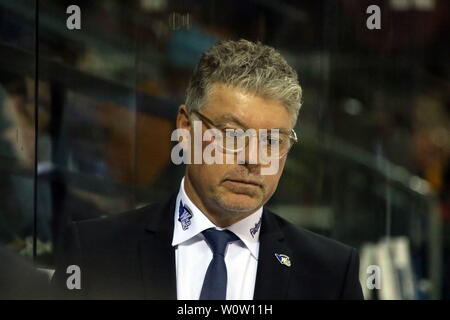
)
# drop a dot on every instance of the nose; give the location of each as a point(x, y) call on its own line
point(249, 155)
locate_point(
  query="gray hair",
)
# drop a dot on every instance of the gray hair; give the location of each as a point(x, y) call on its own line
point(254, 67)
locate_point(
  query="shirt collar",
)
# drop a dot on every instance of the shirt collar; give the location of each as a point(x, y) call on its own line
point(190, 221)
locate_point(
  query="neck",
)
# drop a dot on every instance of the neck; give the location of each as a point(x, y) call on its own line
point(220, 217)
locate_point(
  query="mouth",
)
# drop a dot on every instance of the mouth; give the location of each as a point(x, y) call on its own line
point(244, 182)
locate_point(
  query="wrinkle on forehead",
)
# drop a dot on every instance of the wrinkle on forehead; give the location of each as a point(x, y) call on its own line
point(228, 103)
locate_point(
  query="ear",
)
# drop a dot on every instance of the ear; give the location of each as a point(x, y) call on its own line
point(183, 118)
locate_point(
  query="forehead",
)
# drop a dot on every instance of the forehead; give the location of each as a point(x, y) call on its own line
point(226, 102)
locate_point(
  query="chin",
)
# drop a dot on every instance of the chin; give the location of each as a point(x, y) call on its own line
point(239, 203)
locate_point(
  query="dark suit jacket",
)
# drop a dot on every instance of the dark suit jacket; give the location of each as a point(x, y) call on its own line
point(130, 256)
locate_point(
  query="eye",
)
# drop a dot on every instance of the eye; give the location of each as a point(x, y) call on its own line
point(273, 141)
point(269, 140)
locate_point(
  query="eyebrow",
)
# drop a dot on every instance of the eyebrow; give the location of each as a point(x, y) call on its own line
point(228, 117)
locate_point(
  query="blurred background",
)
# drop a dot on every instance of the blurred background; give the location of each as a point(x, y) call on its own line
point(371, 168)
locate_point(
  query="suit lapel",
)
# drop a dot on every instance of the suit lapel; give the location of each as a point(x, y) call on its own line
point(157, 256)
point(272, 277)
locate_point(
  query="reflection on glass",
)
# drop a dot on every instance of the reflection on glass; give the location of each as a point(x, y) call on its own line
point(372, 160)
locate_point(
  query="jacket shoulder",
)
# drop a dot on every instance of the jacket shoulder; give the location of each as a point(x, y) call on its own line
point(126, 225)
point(126, 221)
point(300, 233)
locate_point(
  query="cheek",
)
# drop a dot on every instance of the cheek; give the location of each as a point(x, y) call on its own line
point(271, 181)
point(210, 174)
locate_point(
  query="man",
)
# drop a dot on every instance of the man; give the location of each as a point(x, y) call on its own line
point(214, 239)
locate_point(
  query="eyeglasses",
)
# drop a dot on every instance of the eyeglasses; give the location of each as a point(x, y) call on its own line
point(274, 142)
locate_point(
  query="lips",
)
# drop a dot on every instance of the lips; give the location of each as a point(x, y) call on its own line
point(245, 181)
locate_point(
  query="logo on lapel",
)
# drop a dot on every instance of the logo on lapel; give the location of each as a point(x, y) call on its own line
point(184, 216)
point(283, 259)
point(255, 229)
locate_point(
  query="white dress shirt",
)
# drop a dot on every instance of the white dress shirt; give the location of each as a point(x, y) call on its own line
point(193, 255)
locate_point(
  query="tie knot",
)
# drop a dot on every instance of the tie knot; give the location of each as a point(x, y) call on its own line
point(219, 239)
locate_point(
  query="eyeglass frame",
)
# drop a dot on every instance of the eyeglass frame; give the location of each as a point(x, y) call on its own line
point(292, 135)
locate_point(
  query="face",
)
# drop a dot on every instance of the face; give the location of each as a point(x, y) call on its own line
point(234, 189)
